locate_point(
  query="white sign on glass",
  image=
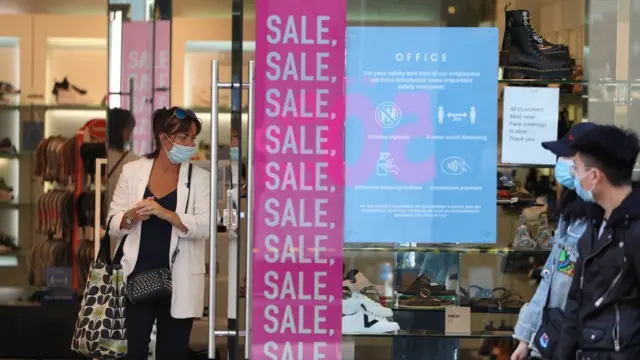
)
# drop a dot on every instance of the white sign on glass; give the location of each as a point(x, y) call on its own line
point(530, 117)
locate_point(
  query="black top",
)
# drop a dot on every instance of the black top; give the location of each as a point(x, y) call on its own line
point(155, 237)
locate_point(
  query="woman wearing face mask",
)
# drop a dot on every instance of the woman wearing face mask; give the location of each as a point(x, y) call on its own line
point(161, 209)
point(539, 317)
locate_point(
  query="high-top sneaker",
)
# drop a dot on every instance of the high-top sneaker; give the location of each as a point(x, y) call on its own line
point(523, 240)
point(523, 59)
point(522, 18)
point(544, 234)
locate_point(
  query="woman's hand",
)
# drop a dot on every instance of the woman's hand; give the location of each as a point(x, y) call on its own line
point(521, 352)
point(147, 207)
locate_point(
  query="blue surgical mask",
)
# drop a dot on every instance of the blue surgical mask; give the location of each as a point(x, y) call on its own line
point(234, 153)
point(563, 173)
point(586, 195)
point(180, 153)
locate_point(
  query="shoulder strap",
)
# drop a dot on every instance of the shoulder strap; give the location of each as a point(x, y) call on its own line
point(104, 254)
point(186, 207)
point(117, 164)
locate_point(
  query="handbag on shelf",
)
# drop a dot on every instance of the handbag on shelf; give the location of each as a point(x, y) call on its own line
point(157, 283)
point(100, 330)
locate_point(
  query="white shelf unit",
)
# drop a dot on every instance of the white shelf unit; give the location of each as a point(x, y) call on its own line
point(10, 128)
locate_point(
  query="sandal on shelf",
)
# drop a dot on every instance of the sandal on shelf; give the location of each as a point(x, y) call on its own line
point(469, 299)
point(423, 283)
point(507, 299)
point(523, 240)
point(425, 300)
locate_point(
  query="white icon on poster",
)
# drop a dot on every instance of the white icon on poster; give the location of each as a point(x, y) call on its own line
point(472, 114)
point(455, 165)
point(388, 115)
point(457, 116)
point(440, 114)
point(385, 165)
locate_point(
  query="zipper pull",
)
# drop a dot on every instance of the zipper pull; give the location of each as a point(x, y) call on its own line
point(599, 302)
point(581, 282)
point(616, 345)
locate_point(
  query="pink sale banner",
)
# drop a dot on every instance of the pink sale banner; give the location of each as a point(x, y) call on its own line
point(149, 72)
point(299, 180)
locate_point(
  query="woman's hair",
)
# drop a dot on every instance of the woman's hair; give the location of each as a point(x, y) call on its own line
point(571, 207)
point(117, 121)
point(164, 121)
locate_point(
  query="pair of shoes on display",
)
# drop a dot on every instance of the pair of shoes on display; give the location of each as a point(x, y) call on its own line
point(7, 148)
point(499, 298)
point(524, 241)
point(6, 191)
point(361, 315)
point(526, 54)
point(7, 88)
point(65, 92)
point(424, 292)
point(511, 194)
point(7, 244)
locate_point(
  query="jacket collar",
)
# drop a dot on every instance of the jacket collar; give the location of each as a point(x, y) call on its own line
point(627, 210)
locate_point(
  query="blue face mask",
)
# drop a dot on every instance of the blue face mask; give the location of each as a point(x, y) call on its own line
point(180, 153)
point(563, 173)
point(586, 195)
point(234, 153)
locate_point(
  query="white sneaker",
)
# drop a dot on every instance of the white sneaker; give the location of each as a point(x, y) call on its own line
point(358, 302)
point(363, 322)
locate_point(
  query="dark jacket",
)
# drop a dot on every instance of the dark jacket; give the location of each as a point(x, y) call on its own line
point(603, 307)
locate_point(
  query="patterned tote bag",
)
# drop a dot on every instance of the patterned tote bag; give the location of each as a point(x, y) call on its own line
point(100, 330)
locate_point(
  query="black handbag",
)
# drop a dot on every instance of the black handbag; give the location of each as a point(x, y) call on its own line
point(157, 283)
point(549, 332)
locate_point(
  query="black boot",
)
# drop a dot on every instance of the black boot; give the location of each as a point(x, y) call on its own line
point(521, 18)
point(525, 60)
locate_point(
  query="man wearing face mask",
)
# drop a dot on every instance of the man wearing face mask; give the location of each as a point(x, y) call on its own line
point(603, 307)
point(538, 319)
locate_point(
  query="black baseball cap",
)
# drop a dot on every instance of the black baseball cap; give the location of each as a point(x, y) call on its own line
point(562, 147)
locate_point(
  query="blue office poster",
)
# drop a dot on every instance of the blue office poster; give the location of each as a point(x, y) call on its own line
point(421, 136)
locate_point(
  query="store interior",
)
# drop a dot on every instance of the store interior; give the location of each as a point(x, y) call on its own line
point(61, 70)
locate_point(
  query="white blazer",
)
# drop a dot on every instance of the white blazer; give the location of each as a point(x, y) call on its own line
point(187, 299)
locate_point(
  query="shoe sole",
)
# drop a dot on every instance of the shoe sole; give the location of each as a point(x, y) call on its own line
point(526, 73)
point(389, 328)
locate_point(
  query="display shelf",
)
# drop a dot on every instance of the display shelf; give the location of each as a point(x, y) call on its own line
point(426, 333)
point(474, 309)
point(48, 107)
point(19, 155)
point(545, 82)
point(14, 204)
point(438, 249)
point(515, 203)
point(8, 261)
point(538, 166)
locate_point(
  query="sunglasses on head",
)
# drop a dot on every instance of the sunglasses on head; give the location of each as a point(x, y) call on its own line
point(180, 114)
